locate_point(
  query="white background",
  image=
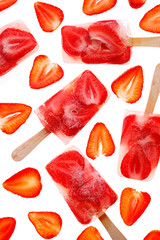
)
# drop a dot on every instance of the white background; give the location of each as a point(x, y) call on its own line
point(14, 87)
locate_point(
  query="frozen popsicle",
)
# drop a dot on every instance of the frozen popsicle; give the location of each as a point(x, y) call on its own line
point(105, 41)
point(68, 111)
point(83, 188)
point(140, 140)
point(16, 44)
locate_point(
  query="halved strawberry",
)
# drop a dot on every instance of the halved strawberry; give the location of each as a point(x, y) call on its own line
point(6, 4)
point(61, 168)
point(133, 204)
point(74, 39)
point(129, 85)
point(90, 233)
point(135, 163)
point(91, 7)
point(12, 116)
point(25, 183)
point(7, 226)
point(99, 138)
point(90, 90)
point(151, 20)
point(153, 235)
point(44, 73)
point(136, 3)
point(16, 43)
point(47, 224)
point(107, 45)
point(49, 16)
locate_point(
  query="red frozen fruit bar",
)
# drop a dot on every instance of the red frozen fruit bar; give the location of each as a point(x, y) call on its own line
point(68, 111)
point(93, 43)
point(85, 191)
point(140, 145)
point(16, 44)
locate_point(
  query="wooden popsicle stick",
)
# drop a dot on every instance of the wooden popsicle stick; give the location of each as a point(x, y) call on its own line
point(144, 42)
point(154, 91)
point(25, 148)
point(113, 231)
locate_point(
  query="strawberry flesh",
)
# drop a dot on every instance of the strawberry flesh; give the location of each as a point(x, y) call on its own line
point(136, 3)
point(6, 4)
point(90, 233)
point(153, 235)
point(7, 227)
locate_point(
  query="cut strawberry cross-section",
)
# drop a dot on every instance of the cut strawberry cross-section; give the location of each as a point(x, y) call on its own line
point(90, 233)
point(7, 226)
point(16, 43)
point(153, 235)
point(25, 183)
point(49, 16)
point(47, 224)
point(12, 116)
point(6, 4)
point(100, 137)
point(151, 20)
point(136, 3)
point(129, 85)
point(74, 39)
point(44, 73)
point(91, 7)
point(133, 204)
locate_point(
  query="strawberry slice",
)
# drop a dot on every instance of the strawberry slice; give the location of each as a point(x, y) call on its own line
point(151, 21)
point(74, 40)
point(5, 65)
point(136, 3)
point(91, 7)
point(47, 224)
point(6, 4)
point(25, 183)
point(7, 226)
point(135, 163)
point(153, 235)
point(90, 233)
point(44, 73)
point(106, 44)
point(90, 90)
point(16, 43)
point(49, 16)
point(100, 137)
point(133, 204)
point(129, 85)
point(61, 167)
point(12, 116)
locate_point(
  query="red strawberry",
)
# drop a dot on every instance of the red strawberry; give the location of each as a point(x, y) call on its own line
point(44, 73)
point(25, 183)
point(136, 3)
point(90, 90)
point(151, 21)
point(153, 235)
point(47, 224)
point(16, 43)
point(133, 204)
point(49, 16)
point(7, 226)
point(6, 4)
point(135, 163)
point(90, 233)
point(12, 116)
point(5, 65)
point(91, 7)
point(74, 40)
point(100, 136)
point(129, 85)
point(61, 167)
point(106, 44)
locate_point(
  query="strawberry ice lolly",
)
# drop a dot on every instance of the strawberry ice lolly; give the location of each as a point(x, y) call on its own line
point(16, 44)
point(99, 42)
point(68, 111)
point(140, 140)
point(84, 189)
